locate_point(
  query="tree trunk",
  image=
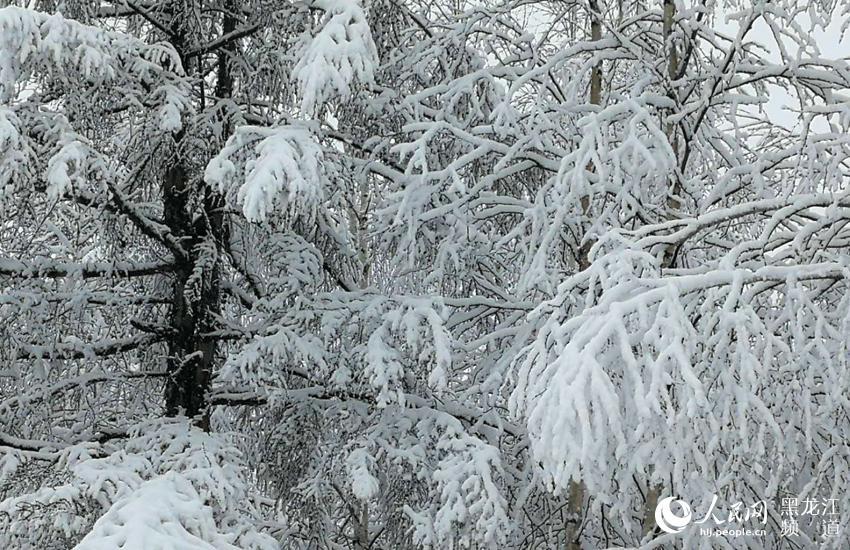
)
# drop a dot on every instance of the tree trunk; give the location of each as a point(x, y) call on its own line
point(575, 508)
point(577, 489)
point(674, 203)
point(651, 502)
point(595, 99)
point(195, 293)
point(362, 528)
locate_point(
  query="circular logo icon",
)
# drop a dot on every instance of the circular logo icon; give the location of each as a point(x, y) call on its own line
point(669, 521)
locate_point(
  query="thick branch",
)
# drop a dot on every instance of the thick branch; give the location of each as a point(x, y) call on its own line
point(148, 17)
point(39, 268)
point(150, 228)
point(27, 445)
point(74, 350)
point(232, 399)
point(224, 40)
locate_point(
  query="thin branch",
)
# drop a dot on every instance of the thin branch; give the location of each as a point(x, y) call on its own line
point(222, 41)
point(148, 17)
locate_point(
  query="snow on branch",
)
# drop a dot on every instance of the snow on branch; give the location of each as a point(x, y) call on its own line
point(470, 510)
point(165, 512)
point(340, 53)
point(654, 375)
point(282, 169)
point(420, 328)
point(73, 348)
point(44, 267)
point(168, 485)
point(76, 54)
point(17, 154)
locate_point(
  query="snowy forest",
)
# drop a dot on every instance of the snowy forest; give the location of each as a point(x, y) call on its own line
point(438, 274)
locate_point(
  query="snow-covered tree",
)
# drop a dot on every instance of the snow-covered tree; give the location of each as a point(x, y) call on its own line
point(403, 274)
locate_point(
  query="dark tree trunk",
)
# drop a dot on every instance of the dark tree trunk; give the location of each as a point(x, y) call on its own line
point(190, 352)
point(196, 293)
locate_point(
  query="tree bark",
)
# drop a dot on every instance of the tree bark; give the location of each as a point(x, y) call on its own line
point(577, 488)
point(674, 203)
point(595, 99)
point(191, 351)
point(190, 356)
